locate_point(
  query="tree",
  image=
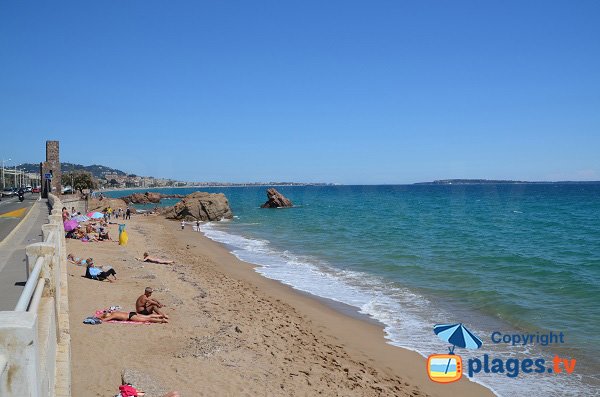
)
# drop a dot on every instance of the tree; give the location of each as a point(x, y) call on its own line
point(79, 180)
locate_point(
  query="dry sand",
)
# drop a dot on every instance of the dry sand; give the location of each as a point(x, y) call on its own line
point(231, 331)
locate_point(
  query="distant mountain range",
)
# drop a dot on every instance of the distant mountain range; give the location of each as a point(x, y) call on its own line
point(489, 181)
point(98, 171)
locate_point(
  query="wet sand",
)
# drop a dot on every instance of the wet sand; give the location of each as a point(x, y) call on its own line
point(232, 332)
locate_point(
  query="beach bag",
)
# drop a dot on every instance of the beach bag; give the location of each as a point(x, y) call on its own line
point(123, 237)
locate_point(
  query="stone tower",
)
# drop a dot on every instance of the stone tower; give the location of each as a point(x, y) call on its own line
point(51, 166)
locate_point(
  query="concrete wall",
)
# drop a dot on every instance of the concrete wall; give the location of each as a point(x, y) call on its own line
point(70, 201)
point(35, 345)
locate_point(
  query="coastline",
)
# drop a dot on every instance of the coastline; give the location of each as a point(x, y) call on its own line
point(199, 188)
point(290, 343)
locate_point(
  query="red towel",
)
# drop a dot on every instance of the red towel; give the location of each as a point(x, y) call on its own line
point(128, 391)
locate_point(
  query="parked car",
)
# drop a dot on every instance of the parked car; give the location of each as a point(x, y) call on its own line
point(28, 189)
point(9, 192)
point(36, 190)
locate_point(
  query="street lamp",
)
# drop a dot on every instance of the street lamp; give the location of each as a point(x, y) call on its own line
point(18, 180)
point(3, 177)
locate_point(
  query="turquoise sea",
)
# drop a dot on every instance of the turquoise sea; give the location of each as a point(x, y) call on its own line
point(514, 258)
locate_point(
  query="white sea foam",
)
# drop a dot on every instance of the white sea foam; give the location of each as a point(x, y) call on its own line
point(408, 318)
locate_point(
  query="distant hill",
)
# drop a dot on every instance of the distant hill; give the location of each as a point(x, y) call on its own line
point(493, 182)
point(98, 171)
point(467, 182)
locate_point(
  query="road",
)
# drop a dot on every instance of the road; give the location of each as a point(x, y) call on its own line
point(12, 211)
point(26, 219)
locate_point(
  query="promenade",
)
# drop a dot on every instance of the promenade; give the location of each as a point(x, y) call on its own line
point(25, 229)
point(35, 353)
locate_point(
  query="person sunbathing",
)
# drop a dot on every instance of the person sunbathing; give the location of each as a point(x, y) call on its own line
point(80, 234)
point(95, 273)
point(90, 237)
point(78, 261)
point(146, 305)
point(133, 316)
point(103, 235)
point(152, 259)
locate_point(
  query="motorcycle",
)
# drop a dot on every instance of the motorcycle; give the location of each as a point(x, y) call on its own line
point(21, 197)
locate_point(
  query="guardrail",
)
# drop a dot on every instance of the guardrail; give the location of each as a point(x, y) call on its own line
point(31, 286)
point(35, 354)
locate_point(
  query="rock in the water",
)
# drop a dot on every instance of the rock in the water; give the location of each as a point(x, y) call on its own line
point(276, 200)
point(201, 206)
point(148, 197)
point(142, 198)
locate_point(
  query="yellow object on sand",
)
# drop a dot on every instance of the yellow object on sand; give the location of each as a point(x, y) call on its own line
point(123, 238)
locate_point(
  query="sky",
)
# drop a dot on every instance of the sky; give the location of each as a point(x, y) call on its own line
point(352, 92)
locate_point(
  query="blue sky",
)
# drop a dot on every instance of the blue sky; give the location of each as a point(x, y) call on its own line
point(336, 91)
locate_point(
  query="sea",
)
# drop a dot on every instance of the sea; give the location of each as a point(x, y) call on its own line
point(502, 259)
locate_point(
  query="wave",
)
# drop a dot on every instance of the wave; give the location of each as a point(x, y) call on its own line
point(407, 317)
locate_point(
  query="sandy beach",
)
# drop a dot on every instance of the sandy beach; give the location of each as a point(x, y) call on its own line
point(231, 331)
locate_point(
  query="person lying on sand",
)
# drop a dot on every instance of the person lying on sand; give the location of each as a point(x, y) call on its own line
point(148, 258)
point(133, 316)
point(78, 261)
point(80, 234)
point(146, 305)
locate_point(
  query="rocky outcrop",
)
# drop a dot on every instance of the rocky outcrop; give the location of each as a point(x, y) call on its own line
point(201, 206)
point(143, 198)
point(148, 197)
point(276, 200)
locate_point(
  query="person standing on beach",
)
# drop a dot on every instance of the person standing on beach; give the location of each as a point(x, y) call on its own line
point(128, 213)
point(197, 226)
point(182, 225)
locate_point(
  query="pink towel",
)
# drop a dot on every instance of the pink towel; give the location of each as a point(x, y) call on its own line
point(100, 312)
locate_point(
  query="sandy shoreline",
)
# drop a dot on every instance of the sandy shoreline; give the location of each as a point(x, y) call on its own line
point(232, 331)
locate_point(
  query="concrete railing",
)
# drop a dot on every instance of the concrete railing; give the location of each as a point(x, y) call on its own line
point(35, 345)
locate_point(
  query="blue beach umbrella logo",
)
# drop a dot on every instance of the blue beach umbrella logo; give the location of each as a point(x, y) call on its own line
point(457, 335)
point(447, 368)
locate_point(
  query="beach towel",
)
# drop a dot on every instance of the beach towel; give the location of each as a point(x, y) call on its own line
point(128, 391)
point(100, 312)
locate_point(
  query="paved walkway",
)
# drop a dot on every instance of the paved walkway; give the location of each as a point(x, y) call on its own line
point(12, 254)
